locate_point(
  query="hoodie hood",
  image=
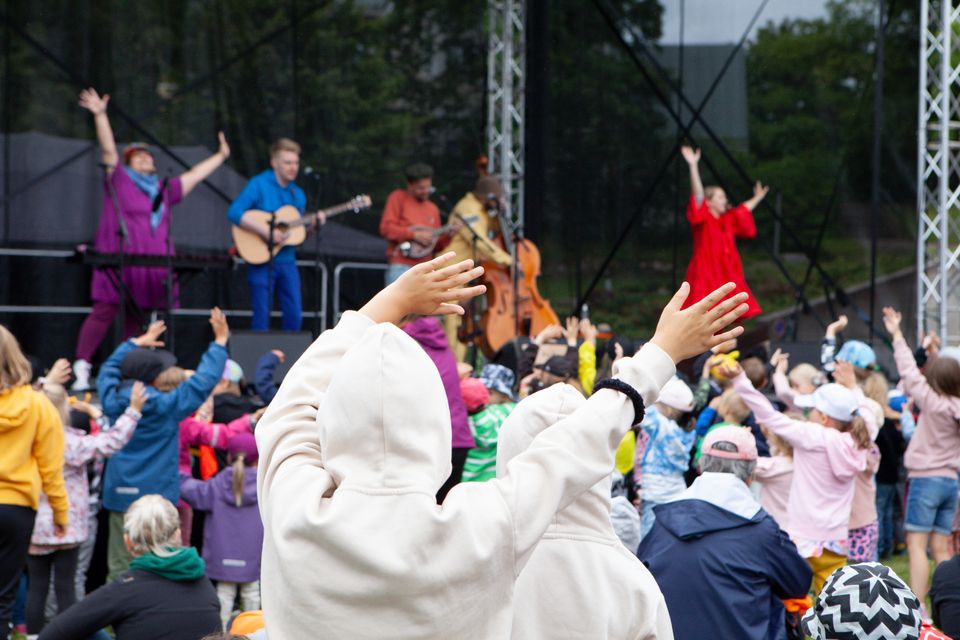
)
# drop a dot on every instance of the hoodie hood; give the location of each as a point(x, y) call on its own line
point(428, 332)
point(184, 565)
point(714, 502)
point(15, 404)
point(385, 423)
point(589, 513)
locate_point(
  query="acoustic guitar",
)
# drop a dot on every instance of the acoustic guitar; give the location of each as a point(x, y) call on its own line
point(415, 250)
point(254, 249)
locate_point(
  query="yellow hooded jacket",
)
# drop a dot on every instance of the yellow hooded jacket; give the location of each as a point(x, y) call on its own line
point(31, 451)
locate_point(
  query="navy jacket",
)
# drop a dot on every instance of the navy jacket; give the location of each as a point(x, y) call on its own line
point(722, 575)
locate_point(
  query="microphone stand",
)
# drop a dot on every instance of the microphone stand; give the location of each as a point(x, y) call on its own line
point(472, 336)
point(123, 234)
point(171, 318)
point(270, 244)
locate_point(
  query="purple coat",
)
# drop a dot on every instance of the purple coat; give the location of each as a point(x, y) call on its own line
point(428, 332)
point(232, 536)
point(147, 284)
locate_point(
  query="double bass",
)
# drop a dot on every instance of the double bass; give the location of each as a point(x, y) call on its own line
point(514, 305)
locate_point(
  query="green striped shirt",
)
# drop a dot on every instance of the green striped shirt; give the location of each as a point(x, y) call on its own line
point(481, 464)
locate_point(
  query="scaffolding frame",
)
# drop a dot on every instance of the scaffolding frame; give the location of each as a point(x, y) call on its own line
point(506, 91)
point(938, 171)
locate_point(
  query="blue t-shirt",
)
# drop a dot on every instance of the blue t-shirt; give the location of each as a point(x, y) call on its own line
point(263, 192)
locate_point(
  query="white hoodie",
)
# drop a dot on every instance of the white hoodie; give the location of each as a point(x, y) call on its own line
point(352, 451)
point(580, 581)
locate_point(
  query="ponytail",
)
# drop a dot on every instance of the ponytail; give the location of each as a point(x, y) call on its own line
point(858, 429)
point(238, 478)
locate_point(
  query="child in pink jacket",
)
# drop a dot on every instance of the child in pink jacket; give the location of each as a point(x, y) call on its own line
point(829, 450)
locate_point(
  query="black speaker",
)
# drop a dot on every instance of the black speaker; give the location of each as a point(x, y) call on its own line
point(801, 351)
point(246, 347)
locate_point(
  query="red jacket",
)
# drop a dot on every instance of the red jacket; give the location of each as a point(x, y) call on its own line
point(715, 259)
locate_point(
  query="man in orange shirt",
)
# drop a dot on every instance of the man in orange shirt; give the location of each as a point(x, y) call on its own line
point(411, 222)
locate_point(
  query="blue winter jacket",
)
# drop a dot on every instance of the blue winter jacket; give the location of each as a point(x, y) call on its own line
point(149, 462)
point(723, 575)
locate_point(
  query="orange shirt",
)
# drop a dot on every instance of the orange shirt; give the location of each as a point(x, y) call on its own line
point(402, 212)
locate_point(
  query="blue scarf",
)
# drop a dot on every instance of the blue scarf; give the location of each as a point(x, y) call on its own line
point(150, 185)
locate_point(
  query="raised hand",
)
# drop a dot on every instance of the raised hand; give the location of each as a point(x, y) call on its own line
point(683, 333)
point(845, 375)
point(931, 343)
point(729, 370)
point(760, 191)
point(221, 330)
point(836, 326)
point(589, 331)
point(152, 336)
point(780, 361)
point(93, 102)
point(688, 153)
point(60, 371)
point(138, 396)
point(548, 333)
point(281, 356)
point(572, 331)
point(617, 351)
point(429, 288)
point(224, 149)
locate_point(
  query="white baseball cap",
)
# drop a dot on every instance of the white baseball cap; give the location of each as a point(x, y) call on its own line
point(676, 394)
point(833, 400)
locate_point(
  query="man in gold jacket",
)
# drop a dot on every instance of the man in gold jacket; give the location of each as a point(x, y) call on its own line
point(473, 211)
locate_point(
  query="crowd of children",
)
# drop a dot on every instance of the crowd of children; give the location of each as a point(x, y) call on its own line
point(384, 489)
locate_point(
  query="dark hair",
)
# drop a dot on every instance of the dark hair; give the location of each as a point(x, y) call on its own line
point(943, 374)
point(418, 171)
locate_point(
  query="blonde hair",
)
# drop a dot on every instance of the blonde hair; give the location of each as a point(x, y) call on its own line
point(858, 429)
point(15, 369)
point(239, 476)
point(804, 373)
point(733, 406)
point(876, 388)
point(153, 526)
point(284, 144)
point(777, 443)
point(170, 378)
point(58, 395)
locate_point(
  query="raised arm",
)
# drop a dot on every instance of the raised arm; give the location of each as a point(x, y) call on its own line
point(577, 452)
point(692, 159)
point(200, 171)
point(97, 105)
point(800, 434)
point(109, 441)
point(189, 395)
point(264, 380)
point(781, 384)
point(914, 382)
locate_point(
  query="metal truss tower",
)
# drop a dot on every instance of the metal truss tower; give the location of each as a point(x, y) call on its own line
point(506, 75)
point(938, 171)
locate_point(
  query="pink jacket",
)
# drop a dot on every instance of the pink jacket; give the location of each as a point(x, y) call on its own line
point(825, 465)
point(776, 475)
point(194, 432)
point(934, 449)
point(80, 449)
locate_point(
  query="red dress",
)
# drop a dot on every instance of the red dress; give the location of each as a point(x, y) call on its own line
point(715, 259)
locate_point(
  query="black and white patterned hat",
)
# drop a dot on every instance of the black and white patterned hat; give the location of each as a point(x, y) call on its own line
point(865, 601)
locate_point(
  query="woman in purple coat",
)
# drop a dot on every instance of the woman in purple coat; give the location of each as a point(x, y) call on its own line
point(144, 201)
point(233, 531)
point(429, 334)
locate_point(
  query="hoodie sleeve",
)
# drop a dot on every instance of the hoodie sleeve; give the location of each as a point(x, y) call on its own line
point(190, 394)
point(106, 443)
point(48, 451)
point(198, 494)
point(800, 434)
point(287, 440)
point(109, 379)
point(914, 383)
point(264, 380)
point(785, 393)
point(571, 456)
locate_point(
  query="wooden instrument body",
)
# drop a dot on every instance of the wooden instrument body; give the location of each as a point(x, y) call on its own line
point(534, 313)
point(252, 247)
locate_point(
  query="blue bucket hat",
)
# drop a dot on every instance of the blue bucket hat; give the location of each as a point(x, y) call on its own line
point(857, 353)
point(498, 378)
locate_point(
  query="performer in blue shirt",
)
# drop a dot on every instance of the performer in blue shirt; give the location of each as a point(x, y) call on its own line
point(268, 191)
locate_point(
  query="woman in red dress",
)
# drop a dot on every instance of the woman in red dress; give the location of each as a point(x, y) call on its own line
point(715, 228)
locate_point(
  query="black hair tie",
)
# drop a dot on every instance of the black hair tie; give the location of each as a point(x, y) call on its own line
point(624, 388)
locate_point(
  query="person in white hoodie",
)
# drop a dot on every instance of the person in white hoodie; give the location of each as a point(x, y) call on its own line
point(580, 581)
point(357, 441)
